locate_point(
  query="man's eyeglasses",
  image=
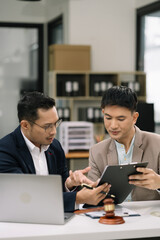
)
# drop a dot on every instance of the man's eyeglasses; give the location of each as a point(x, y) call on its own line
point(49, 127)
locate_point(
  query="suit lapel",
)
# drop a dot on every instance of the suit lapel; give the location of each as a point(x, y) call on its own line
point(27, 158)
point(137, 154)
point(51, 161)
point(112, 155)
point(137, 151)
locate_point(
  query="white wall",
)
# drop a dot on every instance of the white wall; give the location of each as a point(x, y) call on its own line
point(142, 3)
point(109, 27)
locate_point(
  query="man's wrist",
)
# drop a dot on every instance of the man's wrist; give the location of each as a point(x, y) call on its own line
point(68, 184)
point(78, 198)
point(72, 189)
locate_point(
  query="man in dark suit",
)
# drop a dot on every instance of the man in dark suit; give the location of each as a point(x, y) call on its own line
point(32, 149)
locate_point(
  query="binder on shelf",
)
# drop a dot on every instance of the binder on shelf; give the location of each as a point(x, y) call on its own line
point(72, 88)
point(109, 85)
point(75, 85)
point(96, 88)
point(69, 85)
point(90, 114)
point(103, 87)
point(60, 112)
point(135, 86)
point(64, 113)
point(68, 88)
point(96, 115)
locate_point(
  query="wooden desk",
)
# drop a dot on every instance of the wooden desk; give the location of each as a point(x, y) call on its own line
point(81, 227)
point(84, 154)
point(76, 155)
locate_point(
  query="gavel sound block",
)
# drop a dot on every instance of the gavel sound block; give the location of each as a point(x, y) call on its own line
point(110, 217)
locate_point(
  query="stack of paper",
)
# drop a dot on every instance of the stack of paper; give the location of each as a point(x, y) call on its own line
point(119, 211)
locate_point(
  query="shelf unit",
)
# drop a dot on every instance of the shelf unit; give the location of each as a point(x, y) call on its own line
point(87, 96)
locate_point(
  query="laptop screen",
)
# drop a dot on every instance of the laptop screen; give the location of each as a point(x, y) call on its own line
point(31, 198)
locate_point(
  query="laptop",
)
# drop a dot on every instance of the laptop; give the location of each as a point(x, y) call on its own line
point(27, 198)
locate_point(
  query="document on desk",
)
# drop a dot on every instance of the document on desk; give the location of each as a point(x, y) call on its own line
point(119, 211)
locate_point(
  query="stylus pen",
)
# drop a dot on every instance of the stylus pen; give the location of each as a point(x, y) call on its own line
point(90, 187)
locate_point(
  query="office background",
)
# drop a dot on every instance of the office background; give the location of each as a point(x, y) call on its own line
point(108, 26)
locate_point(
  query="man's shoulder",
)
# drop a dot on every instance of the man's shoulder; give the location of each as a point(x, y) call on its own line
point(146, 136)
point(11, 141)
point(102, 145)
point(9, 137)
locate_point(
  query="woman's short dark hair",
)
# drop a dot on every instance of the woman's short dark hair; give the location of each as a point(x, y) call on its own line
point(29, 104)
point(121, 96)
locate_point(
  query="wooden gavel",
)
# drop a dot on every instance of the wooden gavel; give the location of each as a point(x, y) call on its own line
point(110, 217)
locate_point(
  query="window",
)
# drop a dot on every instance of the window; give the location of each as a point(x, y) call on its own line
point(21, 68)
point(55, 31)
point(148, 52)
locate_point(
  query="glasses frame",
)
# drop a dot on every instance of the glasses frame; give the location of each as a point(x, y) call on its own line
point(50, 126)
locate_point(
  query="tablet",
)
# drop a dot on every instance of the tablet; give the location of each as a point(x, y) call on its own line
point(117, 176)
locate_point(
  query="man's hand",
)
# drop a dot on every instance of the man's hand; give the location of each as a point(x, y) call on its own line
point(77, 177)
point(148, 179)
point(92, 196)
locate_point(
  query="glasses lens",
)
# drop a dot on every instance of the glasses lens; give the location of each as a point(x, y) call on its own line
point(49, 128)
point(58, 123)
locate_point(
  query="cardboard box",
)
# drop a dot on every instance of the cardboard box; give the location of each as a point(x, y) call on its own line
point(69, 57)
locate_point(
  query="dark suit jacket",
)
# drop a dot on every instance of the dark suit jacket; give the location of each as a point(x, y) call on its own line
point(16, 158)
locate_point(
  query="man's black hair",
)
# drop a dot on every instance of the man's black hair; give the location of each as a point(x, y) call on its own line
point(121, 96)
point(29, 104)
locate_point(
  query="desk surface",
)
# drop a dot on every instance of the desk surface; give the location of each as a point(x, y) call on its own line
point(82, 227)
point(81, 154)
